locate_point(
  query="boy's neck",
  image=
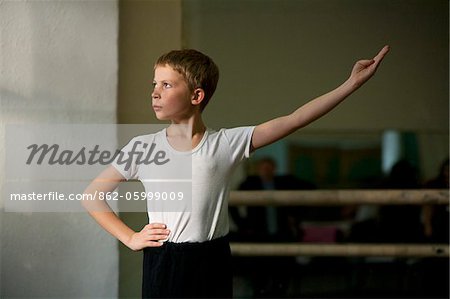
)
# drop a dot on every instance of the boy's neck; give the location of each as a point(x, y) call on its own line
point(191, 129)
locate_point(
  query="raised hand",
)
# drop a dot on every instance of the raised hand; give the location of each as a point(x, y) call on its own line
point(363, 70)
point(277, 128)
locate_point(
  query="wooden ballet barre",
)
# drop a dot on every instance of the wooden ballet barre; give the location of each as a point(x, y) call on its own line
point(347, 250)
point(339, 197)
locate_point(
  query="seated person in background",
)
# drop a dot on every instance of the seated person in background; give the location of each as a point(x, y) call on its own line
point(436, 217)
point(401, 223)
point(393, 223)
point(268, 223)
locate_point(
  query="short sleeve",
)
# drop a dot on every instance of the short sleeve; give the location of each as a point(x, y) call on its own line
point(240, 140)
point(125, 160)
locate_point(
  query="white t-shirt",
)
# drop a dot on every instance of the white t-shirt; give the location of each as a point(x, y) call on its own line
point(213, 161)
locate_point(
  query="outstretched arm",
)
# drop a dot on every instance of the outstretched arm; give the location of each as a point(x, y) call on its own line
point(273, 130)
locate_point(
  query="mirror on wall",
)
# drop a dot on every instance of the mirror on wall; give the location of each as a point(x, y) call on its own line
point(355, 160)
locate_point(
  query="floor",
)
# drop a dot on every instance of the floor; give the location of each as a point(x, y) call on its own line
point(340, 278)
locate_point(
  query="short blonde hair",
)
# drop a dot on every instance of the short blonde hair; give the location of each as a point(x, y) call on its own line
point(198, 69)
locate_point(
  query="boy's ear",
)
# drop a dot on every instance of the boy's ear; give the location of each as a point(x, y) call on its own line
point(197, 96)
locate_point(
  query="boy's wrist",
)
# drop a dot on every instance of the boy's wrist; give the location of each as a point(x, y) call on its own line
point(351, 85)
point(129, 240)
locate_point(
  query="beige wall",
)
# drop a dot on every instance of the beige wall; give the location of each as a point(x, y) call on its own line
point(276, 55)
point(147, 29)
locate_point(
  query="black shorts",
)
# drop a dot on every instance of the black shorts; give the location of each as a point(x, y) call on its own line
point(188, 270)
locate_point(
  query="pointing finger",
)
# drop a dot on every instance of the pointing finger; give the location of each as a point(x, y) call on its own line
point(381, 54)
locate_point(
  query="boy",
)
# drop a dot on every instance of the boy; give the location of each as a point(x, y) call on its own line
point(186, 253)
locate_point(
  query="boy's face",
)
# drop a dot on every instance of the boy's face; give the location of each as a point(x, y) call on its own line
point(171, 96)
